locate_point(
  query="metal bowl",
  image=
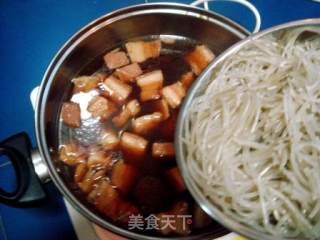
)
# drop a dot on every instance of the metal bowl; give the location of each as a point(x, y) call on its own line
point(197, 89)
point(89, 44)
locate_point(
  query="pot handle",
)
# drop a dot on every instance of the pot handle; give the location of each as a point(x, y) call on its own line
point(245, 3)
point(29, 189)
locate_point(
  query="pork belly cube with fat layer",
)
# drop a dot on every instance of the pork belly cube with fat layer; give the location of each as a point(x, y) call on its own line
point(128, 73)
point(108, 201)
point(133, 107)
point(187, 79)
point(72, 154)
point(180, 224)
point(98, 158)
point(124, 176)
point(161, 106)
point(174, 94)
point(101, 107)
point(130, 110)
point(146, 123)
point(116, 59)
point(116, 89)
point(151, 80)
point(109, 139)
point(174, 177)
point(70, 114)
point(133, 144)
point(164, 149)
point(149, 95)
point(101, 76)
point(140, 51)
point(150, 85)
point(199, 58)
point(80, 172)
point(85, 83)
point(90, 179)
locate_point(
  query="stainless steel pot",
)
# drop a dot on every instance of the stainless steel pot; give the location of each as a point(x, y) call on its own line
point(196, 90)
point(81, 51)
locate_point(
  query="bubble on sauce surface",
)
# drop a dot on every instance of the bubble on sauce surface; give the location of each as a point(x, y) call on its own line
point(89, 132)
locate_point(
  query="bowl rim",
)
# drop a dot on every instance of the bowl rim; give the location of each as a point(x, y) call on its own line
point(57, 61)
point(203, 79)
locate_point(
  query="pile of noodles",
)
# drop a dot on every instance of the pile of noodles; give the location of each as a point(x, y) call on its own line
point(253, 136)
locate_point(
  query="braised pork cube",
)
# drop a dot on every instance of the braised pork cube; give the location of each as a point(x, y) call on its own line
point(101, 76)
point(122, 118)
point(174, 94)
point(86, 185)
point(116, 89)
point(90, 179)
point(93, 194)
point(85, 83)
point(140, 51)
point(70, 114)
point(99, 159)
point(133, 107)
point(199, 58)
point(151, 80)
point(133, 144)
point(72, 154)
point(179, 219)
point(128, 73)
point(130, 110)
point(150, 85)
point(148, 95)
point(161, 106)
point(101, 107)
point(187, 79)
point(80, 172)
point(200, 218)
point(146, 123)
point(174, 177)
point(163, 149)
point(109, 139)
point(106, 199)
point(124, 176)
point(116, 59)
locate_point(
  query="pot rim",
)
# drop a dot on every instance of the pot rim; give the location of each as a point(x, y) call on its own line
point(57, 61)
point(195, 191)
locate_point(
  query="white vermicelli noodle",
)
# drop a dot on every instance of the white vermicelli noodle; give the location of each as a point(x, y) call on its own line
point(253, 135)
